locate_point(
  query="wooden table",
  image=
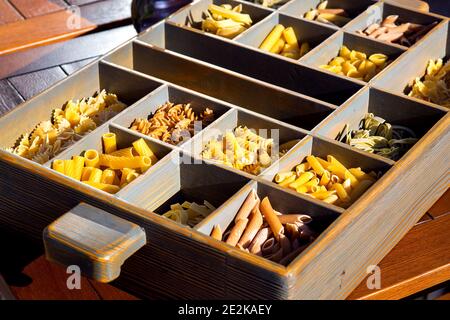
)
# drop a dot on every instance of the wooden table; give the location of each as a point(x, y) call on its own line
point(420, 261)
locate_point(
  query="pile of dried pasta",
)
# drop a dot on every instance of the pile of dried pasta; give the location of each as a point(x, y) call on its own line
point(261, 230)
point(356, 64)
point(283, 41)
point(189, 213)
point(172, 123)
point(377, 136)
point(327, 180)
point(242, 149)
point(111, 170)
point(66, 125)
point(226, 21)
point(435, 85)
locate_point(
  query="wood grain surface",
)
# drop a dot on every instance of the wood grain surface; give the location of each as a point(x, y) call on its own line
point(7, 13)
point(9, 97)
point(80, 48)
point(36, 8)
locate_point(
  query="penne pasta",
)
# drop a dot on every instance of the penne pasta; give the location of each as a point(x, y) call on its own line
point(109, 142)
point(315, 165)
point(252, 228)
point(249, 203)
point(271, 218)
point(261, 237)
point(92, 158)
point(294, 218)
point(326, 176)
point(286, 182)
point(299, 169)
point(236, 232)
point(341, 192)
point(280, 177)
point(304, 178)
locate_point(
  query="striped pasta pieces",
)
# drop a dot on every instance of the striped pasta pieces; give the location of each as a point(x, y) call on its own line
point(108, 171)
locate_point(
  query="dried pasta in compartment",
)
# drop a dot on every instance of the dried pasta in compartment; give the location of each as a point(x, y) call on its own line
point(66, 126)
point(283, 41)
point(173, 123)
point(377, 136)
point(109, 171)
point(261, 230)
point(189, 213)
point(327, 180)
point(434, 86)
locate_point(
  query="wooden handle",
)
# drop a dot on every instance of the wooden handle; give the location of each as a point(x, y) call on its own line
point(94, 240)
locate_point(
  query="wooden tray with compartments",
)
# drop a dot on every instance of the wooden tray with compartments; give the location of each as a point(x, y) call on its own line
point(244, 86)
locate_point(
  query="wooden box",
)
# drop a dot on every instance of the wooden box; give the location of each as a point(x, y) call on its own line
point(244, 86)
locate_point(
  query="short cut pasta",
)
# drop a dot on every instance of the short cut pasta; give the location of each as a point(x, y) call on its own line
point(108, 172)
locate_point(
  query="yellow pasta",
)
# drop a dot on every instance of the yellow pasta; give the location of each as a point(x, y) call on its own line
point(92, 158)
point(128, 175)
point(108, 176)
point(96, 175)
point(69, 168)
point(126, 152)
point(327, 180)
point(79, 165)
point(272, 38)
point(122, 162)
point(58, 165)
point(86, 173)
point(103, 186)
point(143, 149)
point(109, 142)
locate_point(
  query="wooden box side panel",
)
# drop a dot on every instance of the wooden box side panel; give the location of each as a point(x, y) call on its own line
point(374, 224)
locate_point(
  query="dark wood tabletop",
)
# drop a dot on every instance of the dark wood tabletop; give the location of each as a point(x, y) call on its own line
point(419, 263)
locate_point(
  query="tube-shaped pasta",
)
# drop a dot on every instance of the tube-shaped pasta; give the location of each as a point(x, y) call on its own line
point(58, 165)
point(236, 232)
point(292, 230)
point(326, 176)
point(269, 247)
point(216, 232)
point(286, 182)
point(303, 167)
point(304, 178)
point(103, 186)
point(108, 176)
point(69, 168)
point(293, 218)
point(359, 174)
point(126, 152)
point(92, 158)
point(79, 165)
point(290, 37)
point(314, 182)
point(96, 175)
point(341, 192)
point(360, 189)
point(272, 38)
point(315, 165)
point(252, 228)
point(281, 176)
point(86, 173)
point(109, 142)
point(143, 149)
point(321, 195)
point(285, 244)
point(271, 218)
point(249, 203)
point(122, 162)
point(278, 46)
point(258, 240)
point(331, 199)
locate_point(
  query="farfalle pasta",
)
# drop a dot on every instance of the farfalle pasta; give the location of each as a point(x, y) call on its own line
point(66, 125)
point(109, 171)
point(434, 86)
point(172, 123)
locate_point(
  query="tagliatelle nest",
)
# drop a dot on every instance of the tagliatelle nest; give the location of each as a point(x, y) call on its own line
point(66, 125)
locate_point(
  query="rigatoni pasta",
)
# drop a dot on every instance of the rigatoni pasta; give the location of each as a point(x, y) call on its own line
point(108, 172)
